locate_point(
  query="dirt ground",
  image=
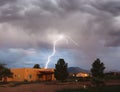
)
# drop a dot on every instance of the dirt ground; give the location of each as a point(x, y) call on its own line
point(47, 87)
point(41, 87)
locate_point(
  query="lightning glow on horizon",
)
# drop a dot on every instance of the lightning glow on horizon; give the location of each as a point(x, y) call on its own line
point(61, 37)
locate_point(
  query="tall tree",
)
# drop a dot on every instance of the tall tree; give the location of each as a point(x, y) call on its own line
point(5, 72)
point(97, 72)
point(36, 66)
point(61, 72)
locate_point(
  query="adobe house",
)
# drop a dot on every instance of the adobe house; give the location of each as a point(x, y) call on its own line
point(31, 74)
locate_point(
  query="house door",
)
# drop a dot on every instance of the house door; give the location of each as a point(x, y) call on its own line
point(48, 77)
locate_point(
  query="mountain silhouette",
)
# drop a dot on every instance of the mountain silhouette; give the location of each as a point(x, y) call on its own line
point(77, 70)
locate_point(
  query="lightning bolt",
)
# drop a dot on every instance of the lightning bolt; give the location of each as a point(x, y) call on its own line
point(61, 37)
point(54, 50)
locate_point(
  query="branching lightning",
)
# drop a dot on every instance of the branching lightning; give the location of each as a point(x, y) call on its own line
point(61, 37)
point(73, 41)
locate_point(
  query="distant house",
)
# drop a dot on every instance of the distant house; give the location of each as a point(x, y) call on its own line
point(31, 74)
point(82, 74)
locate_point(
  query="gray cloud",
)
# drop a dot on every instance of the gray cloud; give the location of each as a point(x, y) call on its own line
point(93, 24)
point(82, 17)
point(110, 6)
point(3, 2)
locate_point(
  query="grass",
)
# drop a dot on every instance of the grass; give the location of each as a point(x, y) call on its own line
point(94, 89)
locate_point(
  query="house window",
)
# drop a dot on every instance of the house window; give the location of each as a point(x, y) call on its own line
point(30, 76)
point(18, 75)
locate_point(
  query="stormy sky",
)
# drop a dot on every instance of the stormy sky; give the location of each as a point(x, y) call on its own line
point(28, 29)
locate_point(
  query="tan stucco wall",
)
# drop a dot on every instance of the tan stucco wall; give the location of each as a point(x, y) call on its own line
point(29, 74)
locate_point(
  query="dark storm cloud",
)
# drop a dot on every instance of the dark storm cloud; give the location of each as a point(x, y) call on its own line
point(115, 39)
point(112, 7)
point(3, 2)
point(9, 10)
point(83, 17)
point(93, 24)
point(69, 5)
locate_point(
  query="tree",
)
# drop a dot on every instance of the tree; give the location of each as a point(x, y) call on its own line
point(36, 66)
point(61, 72)
point(5, 72)
point(97, 72)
